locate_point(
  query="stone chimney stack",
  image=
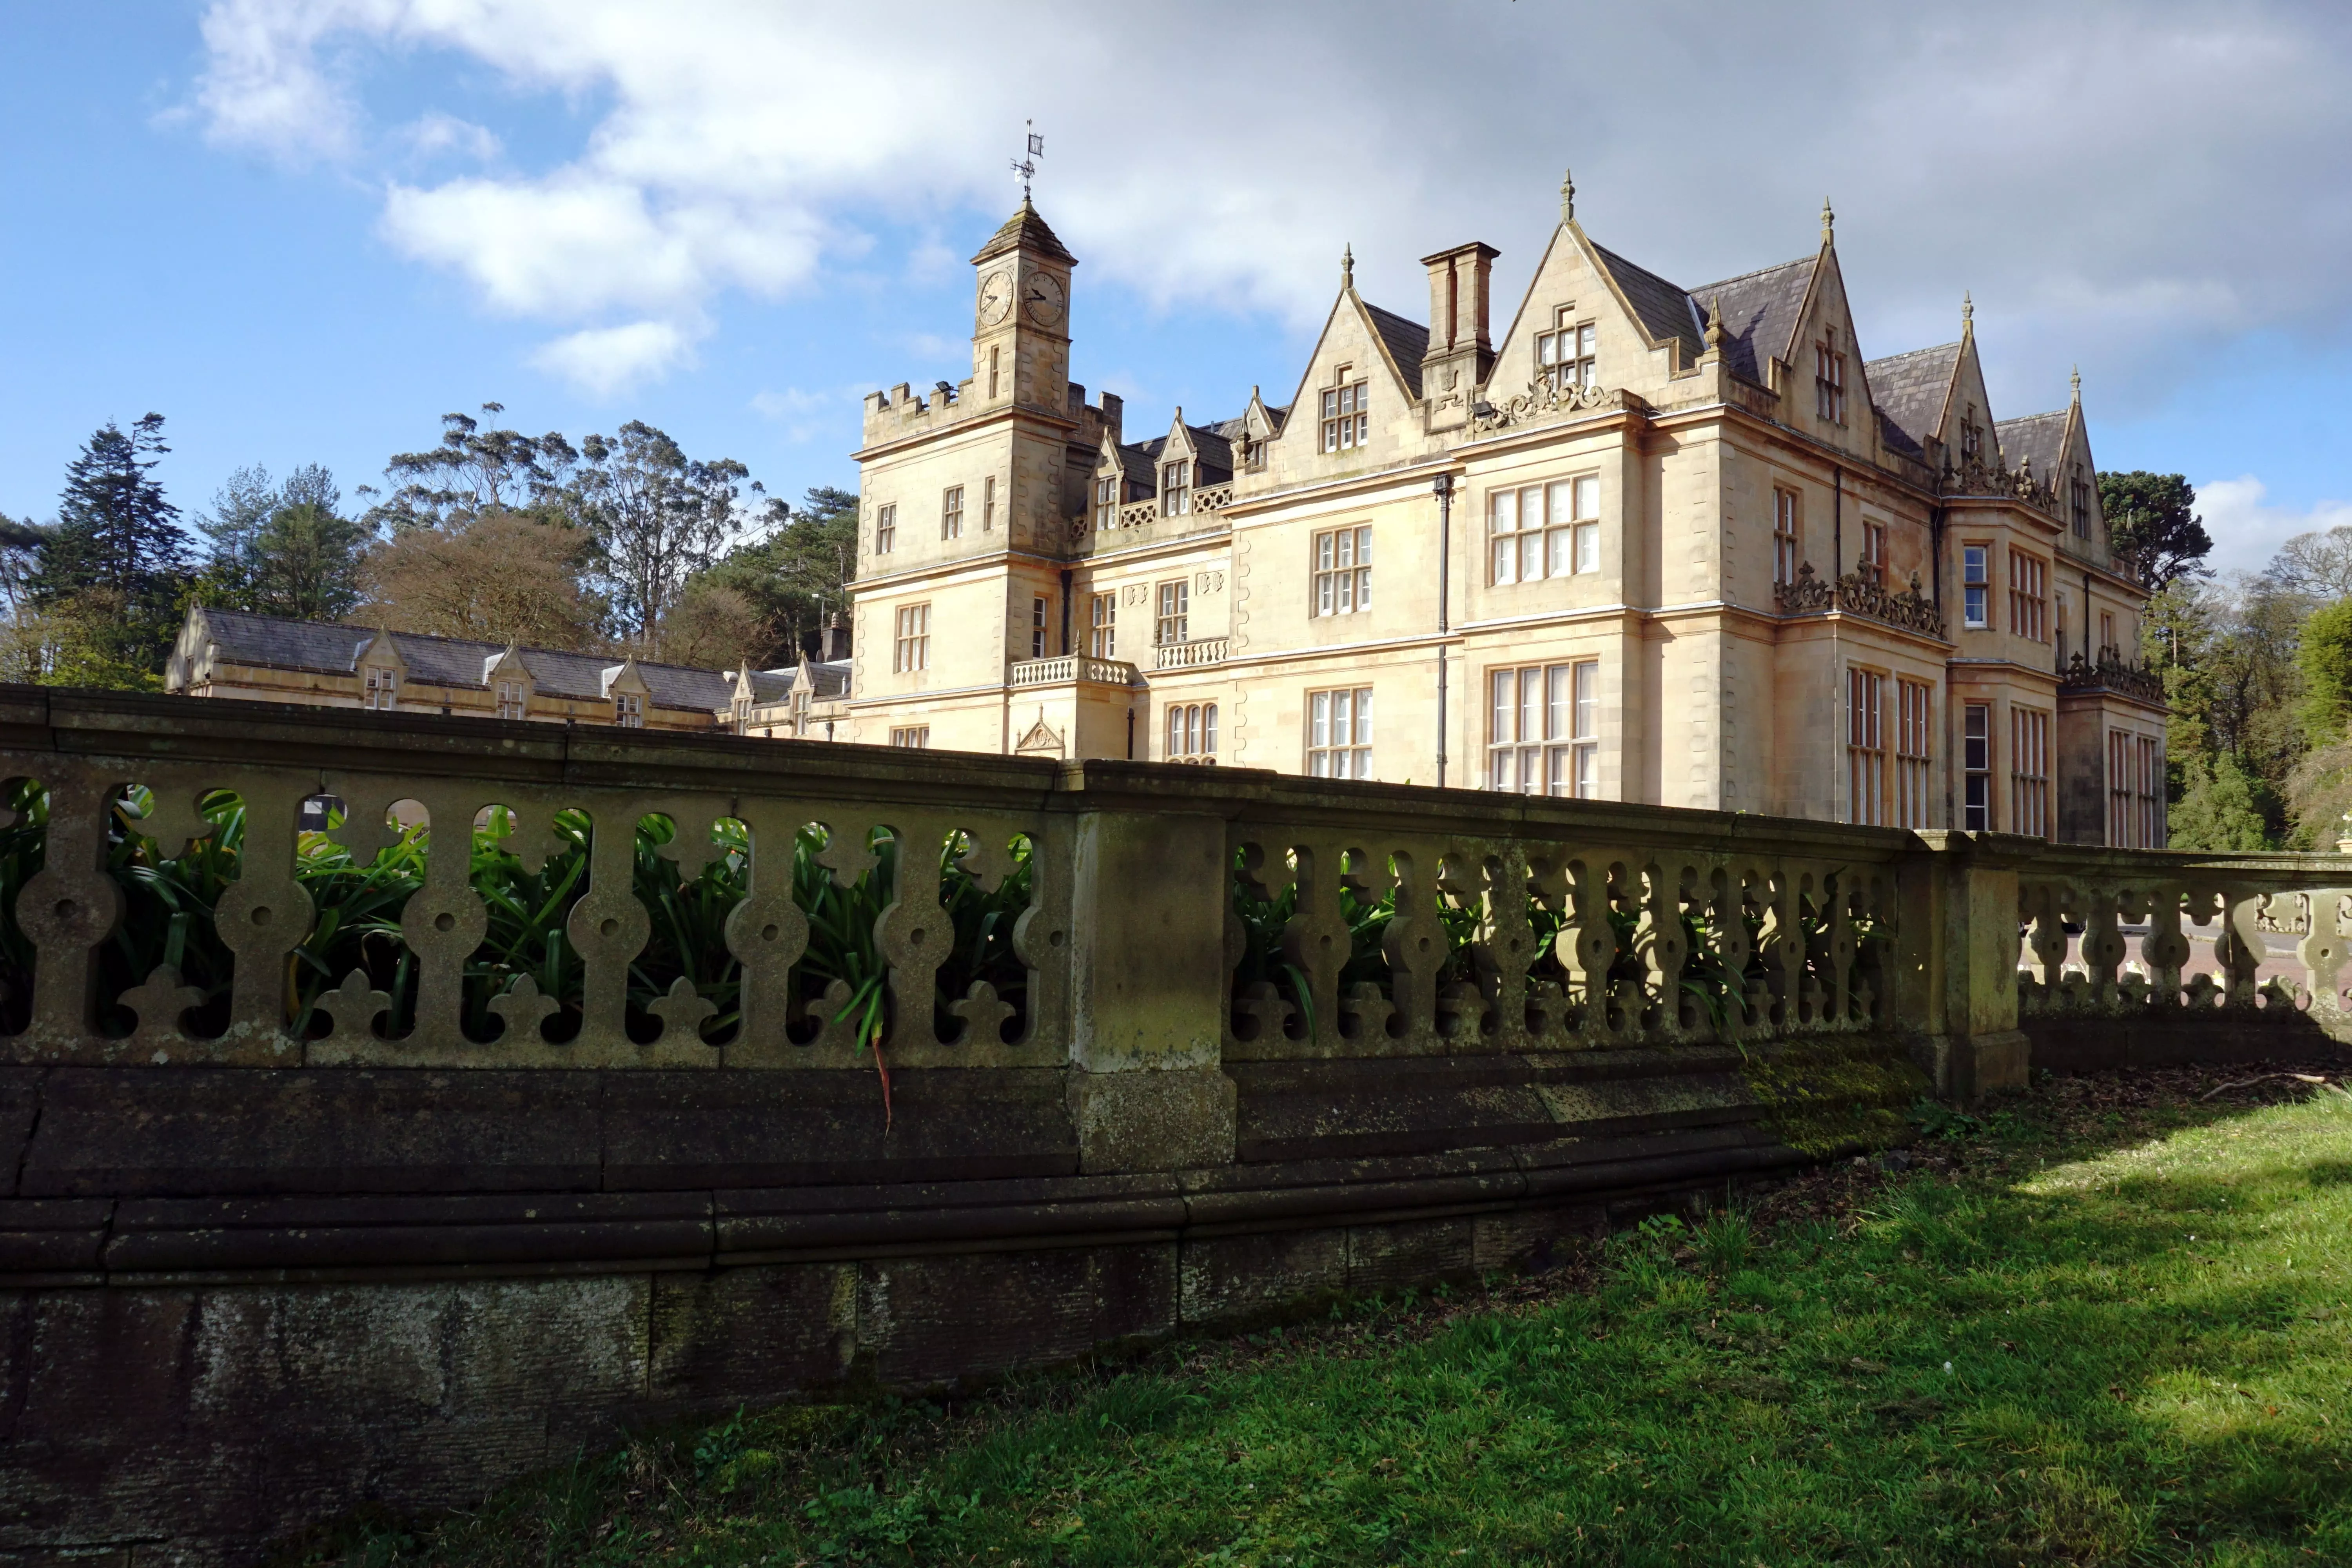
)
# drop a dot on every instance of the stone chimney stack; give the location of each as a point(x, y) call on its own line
point(1461, 349)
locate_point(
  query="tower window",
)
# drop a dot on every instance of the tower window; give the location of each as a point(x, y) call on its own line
point(886, 529)
point(951, 512)
point(1974, 586)
point(2082, 505)
point(1039, 610)
point(988, 504)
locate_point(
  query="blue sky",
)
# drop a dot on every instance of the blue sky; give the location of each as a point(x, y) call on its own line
point(303, 231)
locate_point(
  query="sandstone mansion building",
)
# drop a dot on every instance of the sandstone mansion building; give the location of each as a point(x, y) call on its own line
point(1677, 545)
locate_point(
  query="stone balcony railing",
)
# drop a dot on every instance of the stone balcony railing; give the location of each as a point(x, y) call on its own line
point(1189, 655)
point(1205, 499)
point(1068, 668)
point(2113, 674)
point(1859, 593)
point(572, 1078)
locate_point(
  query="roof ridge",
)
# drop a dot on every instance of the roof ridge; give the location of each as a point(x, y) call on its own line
point(2028, 418)
point(1757, 272)
point(1907, 353)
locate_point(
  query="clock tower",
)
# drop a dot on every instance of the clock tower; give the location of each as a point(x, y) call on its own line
point(1021, 316)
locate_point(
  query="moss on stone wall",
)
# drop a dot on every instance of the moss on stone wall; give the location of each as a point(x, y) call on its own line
point(1835, 1095)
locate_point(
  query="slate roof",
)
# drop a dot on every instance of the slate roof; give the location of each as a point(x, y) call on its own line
point(1910, 390)
point(277, 643)
point(1215, 455)
point(1408, 343)
point(2037, 435)
point(1667, 311)
point(1759, 312)
point(1023, 227)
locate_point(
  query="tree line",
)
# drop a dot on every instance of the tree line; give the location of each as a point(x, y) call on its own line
point(620, 544)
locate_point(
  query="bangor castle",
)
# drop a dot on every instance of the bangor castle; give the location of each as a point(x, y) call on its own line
point(1648, 543)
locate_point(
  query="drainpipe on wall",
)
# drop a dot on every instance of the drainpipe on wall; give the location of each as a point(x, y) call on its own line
point(1445, 488)
point(1065, 614)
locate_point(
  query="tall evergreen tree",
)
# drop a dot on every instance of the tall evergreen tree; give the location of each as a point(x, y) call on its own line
point(116, 566)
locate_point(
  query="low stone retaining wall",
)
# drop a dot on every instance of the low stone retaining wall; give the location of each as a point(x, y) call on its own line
point(243, 1301)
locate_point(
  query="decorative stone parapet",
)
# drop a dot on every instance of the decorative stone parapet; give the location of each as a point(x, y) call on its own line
point(1859, 594)
point(1068, 667)
point(1190, 655)
point(2112, 673)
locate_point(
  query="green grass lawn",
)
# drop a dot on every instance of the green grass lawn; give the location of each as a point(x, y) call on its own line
point(2109, 1323)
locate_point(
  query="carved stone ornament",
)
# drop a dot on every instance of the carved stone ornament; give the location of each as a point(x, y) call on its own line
point(1975, 477)
point(1859, 594)
point(1541, 397)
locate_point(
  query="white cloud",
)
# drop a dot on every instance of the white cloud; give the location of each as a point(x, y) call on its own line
point(2041, 157)
point(805, 416)
point(605, 361)
point(2247, 530)
point(435, 133)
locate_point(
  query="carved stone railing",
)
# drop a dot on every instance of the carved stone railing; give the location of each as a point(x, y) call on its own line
point(2111, 674)
point(1135, 514)
point(1859, 594)
point(2175, 939)
point(1069, 667)
point(1189, 655)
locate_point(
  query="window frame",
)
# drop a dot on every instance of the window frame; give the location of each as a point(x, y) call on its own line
point(988, 504)
point(1555, 545)
point(1339, 732)
point(1172, 601)
point(2029, 595)
point(1041, 615)
point(1102, 627)
point(910, 641)
point(1788, 539)
point(511, 693)
point(911, 737)
point(1976, 761)
point(1189, 733)
point(1345, 406)
point(1341, 571)
point(1543, 728)
point(885, 528)
point(1865, 746)
point(2029, 772)
point(1975, 591)
point(629, 709)
point(1915, 753)
point(1829, 378)
point(1580, 339)
point(951, 512)
point(380, 688)
point(1176, 487)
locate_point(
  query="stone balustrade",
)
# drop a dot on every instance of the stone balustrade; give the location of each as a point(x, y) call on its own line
point(1068, 668)
point(1190, 655)
point(576, 1078)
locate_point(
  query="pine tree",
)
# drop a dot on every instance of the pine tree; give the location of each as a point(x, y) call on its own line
point(116, 566)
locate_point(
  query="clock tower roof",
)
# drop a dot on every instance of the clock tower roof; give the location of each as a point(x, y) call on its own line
point(1025, 230)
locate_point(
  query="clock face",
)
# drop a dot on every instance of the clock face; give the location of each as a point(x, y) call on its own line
point(1043, 299)
point(995, 298)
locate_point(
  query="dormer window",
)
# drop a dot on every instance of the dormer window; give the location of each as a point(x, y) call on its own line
point(629, 709)
point(1107, 501)
point(2082, 505)
point(1971, 434)
point(514, 698)
point(1564, 358)
point(383, 689)
point(1346, 422)
point(1175, 489)
point(1874, 548)
point(1829, 378)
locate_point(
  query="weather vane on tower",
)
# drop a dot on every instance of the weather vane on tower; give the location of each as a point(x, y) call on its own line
point(1025, 165)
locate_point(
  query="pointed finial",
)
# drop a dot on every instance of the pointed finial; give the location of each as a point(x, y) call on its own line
point(1567, 195)
point(1829, 221)
point(2077, 379)
point(1348, 267)
point(1968, 312)
point(1715, 332)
